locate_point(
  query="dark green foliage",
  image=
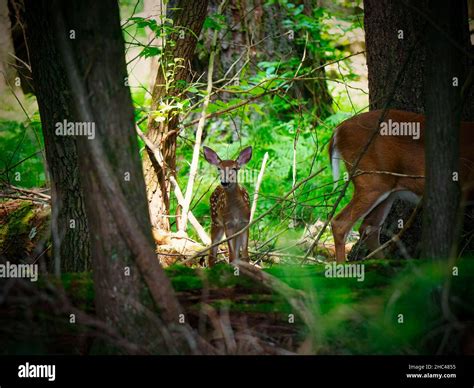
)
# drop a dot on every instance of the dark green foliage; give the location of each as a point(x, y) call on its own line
point(352, 317)
point(21, 162)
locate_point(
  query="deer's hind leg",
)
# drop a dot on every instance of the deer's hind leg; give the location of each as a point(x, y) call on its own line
point(370, 229)
point(358, 207)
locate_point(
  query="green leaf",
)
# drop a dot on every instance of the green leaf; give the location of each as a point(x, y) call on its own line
point(214, 22)
point(150, 51)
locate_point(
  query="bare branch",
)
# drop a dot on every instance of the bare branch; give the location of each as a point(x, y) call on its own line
point(257, 186)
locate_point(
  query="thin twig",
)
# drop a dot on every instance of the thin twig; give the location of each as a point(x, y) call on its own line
point(361, 172)
point(257, 186)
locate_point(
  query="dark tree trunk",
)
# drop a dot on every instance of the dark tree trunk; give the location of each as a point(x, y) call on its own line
point(188, 18)
point(445, 75)
point(68, 222)
point(97, 74)
point(394, 34)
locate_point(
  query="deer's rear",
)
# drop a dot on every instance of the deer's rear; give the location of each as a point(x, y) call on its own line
point(392, 166)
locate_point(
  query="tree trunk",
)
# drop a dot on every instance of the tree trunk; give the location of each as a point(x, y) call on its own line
point(188, 18)
point(7, 71)
point(70, 233)
point(393, 35)
point(445, 75)
point(88, 38)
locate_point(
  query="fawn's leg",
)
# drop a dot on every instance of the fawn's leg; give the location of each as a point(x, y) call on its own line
point(245, 245)
point(241, 243)
point(217, 232)
point(232, 244)
point(359, 205)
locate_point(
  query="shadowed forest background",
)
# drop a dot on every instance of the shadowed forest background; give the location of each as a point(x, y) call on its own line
point(119, 224)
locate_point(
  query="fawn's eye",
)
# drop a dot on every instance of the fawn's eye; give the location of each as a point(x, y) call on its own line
point(234, 169)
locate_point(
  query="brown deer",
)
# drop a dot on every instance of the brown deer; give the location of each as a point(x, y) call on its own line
point(390, 168)
point(230, 206)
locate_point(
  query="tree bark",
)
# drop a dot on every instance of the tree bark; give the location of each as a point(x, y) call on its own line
point(88, 40)
point(394, 34)
point(445, 76)
point(70, 234)
point(188, 19)
point(7, 71)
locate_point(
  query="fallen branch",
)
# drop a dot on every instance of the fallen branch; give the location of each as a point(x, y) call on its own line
point(24, 198)
point(192, 219)
point(29, 192)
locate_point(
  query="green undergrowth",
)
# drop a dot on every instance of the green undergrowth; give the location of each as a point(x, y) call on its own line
point(396, 309)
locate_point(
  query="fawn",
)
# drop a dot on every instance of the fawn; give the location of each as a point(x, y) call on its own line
point(230, 206)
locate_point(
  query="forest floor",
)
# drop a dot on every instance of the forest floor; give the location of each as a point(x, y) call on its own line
point(396, 307)
point(395, 310)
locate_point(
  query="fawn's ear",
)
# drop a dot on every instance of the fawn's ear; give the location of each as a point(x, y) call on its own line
point(211, 156)
point(244, 156)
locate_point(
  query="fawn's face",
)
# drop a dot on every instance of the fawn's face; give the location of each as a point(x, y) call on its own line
point(228, 169)
point(228, 173)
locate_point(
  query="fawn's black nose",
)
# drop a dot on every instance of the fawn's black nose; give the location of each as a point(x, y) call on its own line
point(225, 184)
